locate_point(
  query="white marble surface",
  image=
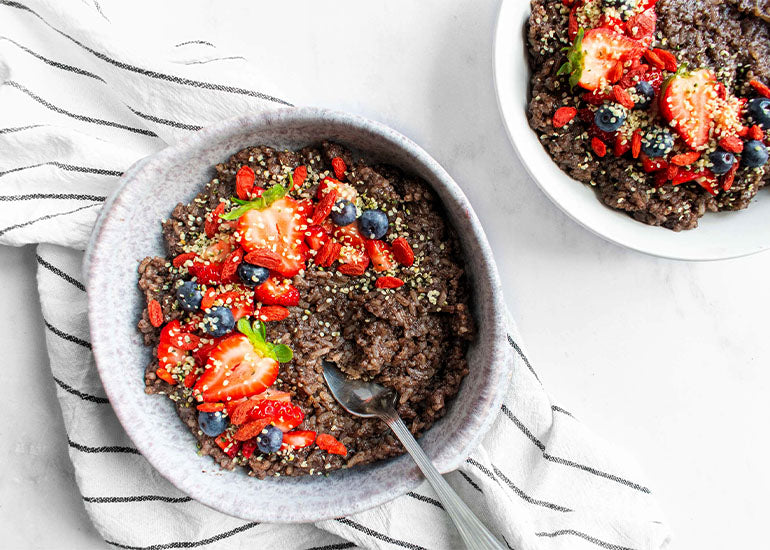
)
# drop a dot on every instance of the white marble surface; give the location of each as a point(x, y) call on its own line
point(668, 359)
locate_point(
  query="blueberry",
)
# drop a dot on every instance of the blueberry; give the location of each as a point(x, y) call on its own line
point(218, 321)
point(189, 296)
point(657, 142)
point(610, 117)
point(373, 223)
point(646, 94)
point(754, 154)
point(252, 275)
point(759, 112)
point(344, 212)
point(212, 424)
point(721, 161)
point(269, 441)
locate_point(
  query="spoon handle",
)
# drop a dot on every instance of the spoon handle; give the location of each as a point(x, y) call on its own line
point(475, 535)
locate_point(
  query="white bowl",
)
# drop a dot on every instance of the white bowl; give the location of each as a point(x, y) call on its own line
point(718, 235)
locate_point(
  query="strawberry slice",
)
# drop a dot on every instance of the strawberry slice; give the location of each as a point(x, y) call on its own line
point(227, 444)
point(239, 302)
point(235, 369)
point(380, 254)
point(344, 190)
point(316, 236)
point(641, 26)
point(349, 235)
point(298, 439)
point(595, 54)
point(277, 291)
point(353, 261)
point(688, 102)
point(279, 228)
point(282, 414)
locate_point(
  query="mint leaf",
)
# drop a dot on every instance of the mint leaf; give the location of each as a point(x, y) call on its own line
point(276, 192)
point(244, 327)
point(257, 334)
point(241, 210)
point(261, 330)
point(283, 353)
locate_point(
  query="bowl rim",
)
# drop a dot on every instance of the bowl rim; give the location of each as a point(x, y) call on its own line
point(508, 38)
point(496, 386)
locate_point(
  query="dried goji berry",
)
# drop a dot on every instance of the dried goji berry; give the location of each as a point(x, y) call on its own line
point(669, 59)
point(324, 207)
point(213, 220)
point(683, 159)
point(264, 257)
point(244, 181)
point(729, 177)
point(761, 89)
point(272, 313)
point(353, 270)
point(328, 253)
point(164, 375)
point(654, 59)
point(622, 97)
point(208, 298)
point(402, 251)
point(252, 429)
point(599, 147)
point(339, 167)
point(636, 143)
point(388, 282)
point(756, 132)
point(330, 444)
point(155, 313)
point(211, 407)
point(615, 73)
point(231, 263)
point(563, 115)
point(732, 144)
point(299, 176)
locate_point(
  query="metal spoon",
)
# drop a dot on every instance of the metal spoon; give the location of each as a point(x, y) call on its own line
point(367, 399)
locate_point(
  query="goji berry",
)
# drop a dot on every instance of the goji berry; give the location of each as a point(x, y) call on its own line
point(636, 143)
point(252, 429)
point(208, 298)
point(330, 444)
point(212, 220)
point(683, 159)
point(264, 257)
point(756, 132)
point(622, 97)
point(244, 181)
point(402, 251)
point(729, 177)
point(272, 313)
point(563, 115)
point(669, 59)
point(299, 176)
point(615, 73)
point(388, 282)
point(164, 375)
point(599, 147)
point(654, 59)
point(339, 167)
point(732, 144)
point(324, 207)
point(155, 313)
point(761, 89)
point(211, 407)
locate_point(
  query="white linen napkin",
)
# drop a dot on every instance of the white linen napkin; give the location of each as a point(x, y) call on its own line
point(79, 103)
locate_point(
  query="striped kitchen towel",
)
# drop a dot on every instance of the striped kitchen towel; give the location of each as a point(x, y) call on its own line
point(81, 100)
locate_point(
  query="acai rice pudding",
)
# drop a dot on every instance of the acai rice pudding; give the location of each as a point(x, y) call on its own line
point(288, 258)
point(662, 106)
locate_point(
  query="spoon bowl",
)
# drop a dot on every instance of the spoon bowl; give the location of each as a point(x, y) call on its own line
point(365, 399)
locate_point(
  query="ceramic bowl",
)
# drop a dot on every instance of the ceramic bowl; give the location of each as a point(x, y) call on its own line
point(129, 229)
point(718, 235)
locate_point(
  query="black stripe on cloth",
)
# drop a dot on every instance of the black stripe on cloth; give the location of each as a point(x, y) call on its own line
point(55, 270)
point(18, 128)
point(195, 42)
point(471, 482)
point(379, 536)
point(523, 495)
point(43, 218)
point(51, 62)
point(65, 336)
point(68, 167)
point(106, 449)
point(584, 536)
point(423, 498)
point(340, 546)
point(148, 73)
point(514, 488)
point(166, 121)
point(515, 346)
point(187, 544)
point(214, 59)
point(99, 9)
point(84, 118)
point(563, 461)
point(506, 543)
point(557, 408)
point(84, 396)
point(140, 498)
point(59, 196)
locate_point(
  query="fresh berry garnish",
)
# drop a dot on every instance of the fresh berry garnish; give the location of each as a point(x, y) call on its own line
point(298, 439)
point(373, 224)
point(620, 95)
point(272, 313)
point(209, 295)
point(688, 103)
point(248, 447)
point(563, 115)
point(380, 254)
point(231, 264)
point(239, 302)
point(756, 132)
point(636, 143)
point(173, 335)
point(252, 275)
point(251, 429)
point(235, 369)
point(344, 190)
point(727, 181)
point(343, 212)
point(330, 444)
point(277, 291)
point(212, 423)
point(754, 154)
point(227, 445)
point(388, 282)
point(641, 27)
point(315, 237)
point(761, 89)
point(155, 313)
point(278, 228)
point(685, 159)
point(758, 110)
point(244, 181)
point(349, 235)
point(402, 251)
point(182, 259)
point(339, 167)
point(610, 117)
point(270, 439)
point(211, 407)
point(299, 176)
point(599, 147)
point(353, 261)
point(595, 54)
point(646, 95)
point(206, 273)
point(264, 257)
point(324, 206)
point(211, 226)
point(657, 142)
point(164, 375)
point(218, 321)
point(328, 254)
point(189, 296)
point(284, 415)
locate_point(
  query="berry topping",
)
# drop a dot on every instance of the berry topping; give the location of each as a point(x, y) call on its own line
point(402, 252)
point(272, 313)
point(252, 275)
point(270, 439)
point(610, 117)
point(646, 94)
point(759, 112)
point(657, 142)
point(389, 282)
point(252, 429)
point(212, 423)
point(189, 296)
point(244, 182)
point(298, 439)
point(298, 177)
point(155, 313)
point(563, 115)
point(339, 167)
point(373, 224)
point(218, 321)
point(324, 206)
point(721, 161)
point(380, 254)
point(595, 54)
point(343, 212)
point(754, 154)
point(688, 103)
point(277, 291)
point(330, 444)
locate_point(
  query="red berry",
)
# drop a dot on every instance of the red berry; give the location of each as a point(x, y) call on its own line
point(252, 429)
point(211, 407)
point(402, 251)
point(733, 144)
point(264, 257)
point(244, 181)
point(182, 258)
point(272, 313)
point(388, 282)
point(339, 167)
point(636, 143)
point(324, 206)
point(756, 132)
point(761, 89)
point(231, 263)
point(685, 159)
point(155, 313)
point(599, 147)
point(299, 176)
point(213, 220)
point(563, 115)
point(622, 97)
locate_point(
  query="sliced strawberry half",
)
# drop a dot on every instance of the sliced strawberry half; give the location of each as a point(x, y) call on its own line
point(234, 369)
point(298, 439)
point(283, 415)
point(353, 261)
point(277, 291)
point(316, 236)
point(380, 254)
point(641, 26)
point(344, 190)
point(280, 228)
point(688, 102)
point(601, 50)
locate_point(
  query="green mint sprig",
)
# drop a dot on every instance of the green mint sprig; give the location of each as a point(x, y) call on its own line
point(271, 195)
point(257, 335)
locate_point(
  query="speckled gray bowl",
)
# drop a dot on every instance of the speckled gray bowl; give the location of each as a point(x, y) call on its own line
point(129, 229)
